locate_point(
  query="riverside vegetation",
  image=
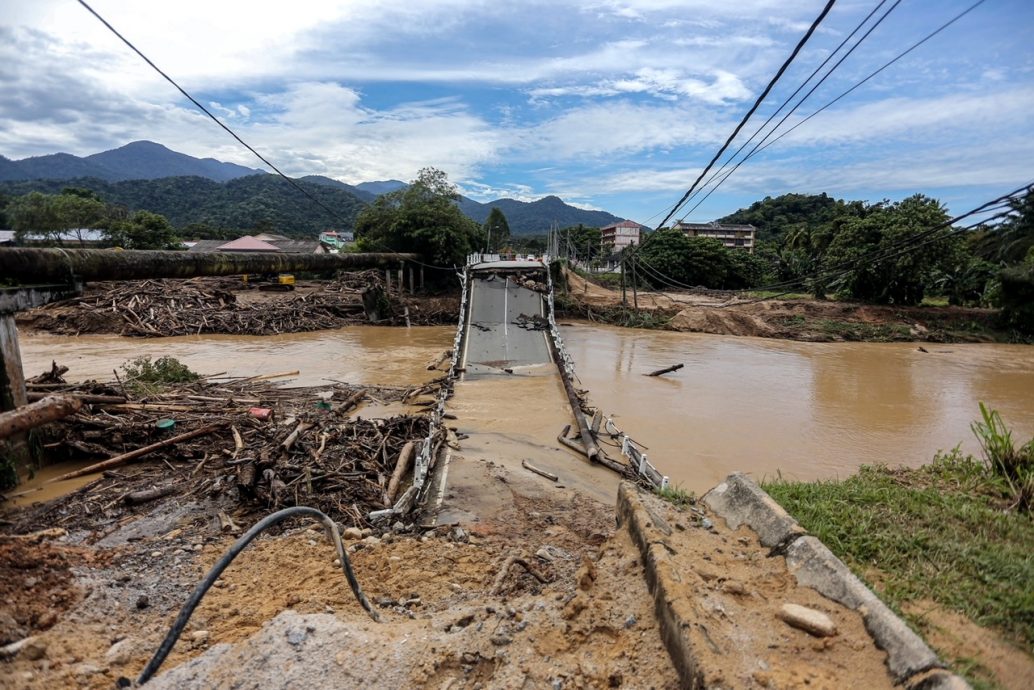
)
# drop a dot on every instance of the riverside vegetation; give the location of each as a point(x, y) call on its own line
point(956, 532)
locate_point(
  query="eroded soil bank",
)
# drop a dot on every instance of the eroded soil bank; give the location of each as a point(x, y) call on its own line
point(791, 319)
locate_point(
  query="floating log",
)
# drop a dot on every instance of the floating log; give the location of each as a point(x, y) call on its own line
point(404, 461)
point(37, 414)
point(666, 370)
point(119, 460)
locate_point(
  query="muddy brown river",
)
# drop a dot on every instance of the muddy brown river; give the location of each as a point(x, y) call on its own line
point(806, 410)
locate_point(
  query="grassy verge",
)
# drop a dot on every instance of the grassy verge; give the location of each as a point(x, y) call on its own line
point(947, 532)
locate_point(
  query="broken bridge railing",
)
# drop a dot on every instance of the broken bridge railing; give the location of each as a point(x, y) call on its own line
point(431, 444)
point(632, 450)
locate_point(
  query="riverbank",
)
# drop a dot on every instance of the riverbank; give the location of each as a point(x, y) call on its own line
point(942, 544)
point(791, 319)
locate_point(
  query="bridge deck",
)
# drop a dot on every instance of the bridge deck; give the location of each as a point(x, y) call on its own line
point(494, 341)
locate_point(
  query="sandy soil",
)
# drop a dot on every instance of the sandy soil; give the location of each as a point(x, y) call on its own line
point(956, 637)
point(796, 319)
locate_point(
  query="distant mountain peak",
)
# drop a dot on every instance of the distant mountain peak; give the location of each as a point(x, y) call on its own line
point(137, 160)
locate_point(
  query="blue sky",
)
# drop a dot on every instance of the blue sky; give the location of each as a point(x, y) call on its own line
point(608, 104)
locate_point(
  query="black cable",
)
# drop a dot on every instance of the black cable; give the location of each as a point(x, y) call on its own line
point(199, 592)
point(915, 45)
point(337, 218)
point(799, 103)
point(757, 104)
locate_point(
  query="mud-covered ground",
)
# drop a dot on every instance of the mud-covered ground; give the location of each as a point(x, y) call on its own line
point(792, 319)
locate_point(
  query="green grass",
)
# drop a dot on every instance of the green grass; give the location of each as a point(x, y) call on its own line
point(868, 332)
point(940, 532)
point(677, 496)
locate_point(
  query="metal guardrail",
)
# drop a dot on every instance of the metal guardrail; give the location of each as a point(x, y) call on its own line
point(632, 450)
point(422, 465)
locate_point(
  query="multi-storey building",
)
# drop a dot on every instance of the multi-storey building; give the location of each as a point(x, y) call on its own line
point(618, 236)
point(732, 236)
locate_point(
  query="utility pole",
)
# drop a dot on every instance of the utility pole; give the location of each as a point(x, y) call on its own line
point(624, 299)
point(635, 292)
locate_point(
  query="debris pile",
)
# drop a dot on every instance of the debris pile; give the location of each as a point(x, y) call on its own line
point(247, 444)
point(155, 308)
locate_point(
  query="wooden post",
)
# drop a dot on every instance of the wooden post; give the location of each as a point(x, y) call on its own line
point(387, 280)
point(624, 299)
point(635, 290)
point(421, 279)
point(412, 287)
point(14, 449)
point(402, 281)
point(12, 380)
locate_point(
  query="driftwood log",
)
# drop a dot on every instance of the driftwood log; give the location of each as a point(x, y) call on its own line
point(666, 370)
point(405, 460)
point(36, 414)
point(139, 452)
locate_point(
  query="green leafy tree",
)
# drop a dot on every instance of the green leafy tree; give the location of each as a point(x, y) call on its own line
point(1010, 241)
point(52, 215)
point(671, 255)
point(421, 218)
point(496, 229)
point(586, 241)
point(143, 230)
point(905, 271)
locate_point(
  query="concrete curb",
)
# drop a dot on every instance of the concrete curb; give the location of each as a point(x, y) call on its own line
point(910, 661)
point(675, 627)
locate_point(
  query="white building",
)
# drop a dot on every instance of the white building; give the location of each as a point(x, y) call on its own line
point(618, 236)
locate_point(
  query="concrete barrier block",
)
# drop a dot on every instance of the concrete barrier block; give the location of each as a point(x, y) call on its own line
point(907, 654)
point(742, 502)
point(815, 566)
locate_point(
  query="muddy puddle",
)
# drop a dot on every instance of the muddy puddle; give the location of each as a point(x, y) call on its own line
point(512, 419)
point(366, 355)
point(807, 410)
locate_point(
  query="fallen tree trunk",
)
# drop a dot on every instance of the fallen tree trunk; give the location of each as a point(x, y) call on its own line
point(134, 454)
point(88, 399)
point(666, 370)
point(405, 460)
point(36, 414)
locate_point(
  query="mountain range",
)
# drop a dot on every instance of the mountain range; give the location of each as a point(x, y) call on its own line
point(147, 175)
point(139, 160)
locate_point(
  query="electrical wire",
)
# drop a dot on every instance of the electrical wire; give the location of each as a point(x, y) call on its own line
point(199, 592)
point(757, 104)
point(794, 94)
point(337, 218)
point(887, 64)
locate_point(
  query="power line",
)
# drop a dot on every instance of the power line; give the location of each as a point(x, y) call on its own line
point(337, 218)
point(757, 104)
point(794, 94)
point(759, 148)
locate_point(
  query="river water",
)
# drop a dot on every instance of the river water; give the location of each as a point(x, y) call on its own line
point(806, 410)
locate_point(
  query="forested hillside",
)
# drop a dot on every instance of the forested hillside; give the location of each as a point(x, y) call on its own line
point(256, 202)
